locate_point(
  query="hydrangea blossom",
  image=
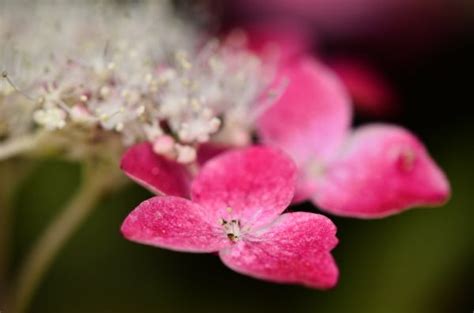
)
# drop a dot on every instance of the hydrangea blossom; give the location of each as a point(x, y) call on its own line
point(238, 213)
point(165, 87)
point(144, 80)
point(373, 171)
point(311, 121)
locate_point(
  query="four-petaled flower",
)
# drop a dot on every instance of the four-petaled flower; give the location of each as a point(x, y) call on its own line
point(236, 207)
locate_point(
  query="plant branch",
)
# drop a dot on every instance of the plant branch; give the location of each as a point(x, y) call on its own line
point(94, 184)
point(18, 145)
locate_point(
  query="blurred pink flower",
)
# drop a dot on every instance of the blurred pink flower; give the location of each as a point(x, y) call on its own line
point(282, 43)
point(373, 171)
point(404, 26)
point(236, 207)
point(371, 93)
point(277, 41)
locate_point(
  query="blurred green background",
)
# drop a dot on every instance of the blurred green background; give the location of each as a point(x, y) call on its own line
point(419, 261)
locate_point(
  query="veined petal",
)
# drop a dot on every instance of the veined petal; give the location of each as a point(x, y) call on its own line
point(294, 249)
point(312, 116)
point(383, 170)
point(253, 185)
point(173, 223)
point(154, 172)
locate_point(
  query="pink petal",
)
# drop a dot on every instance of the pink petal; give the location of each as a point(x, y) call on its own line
point(294, 249)
point(173, 223)
point(283, 40)
point(158, 174)
point(312, 116)
point(208, 151)
point(383, 170)
point(305, 187)
point(371, 93)
point(253, 185)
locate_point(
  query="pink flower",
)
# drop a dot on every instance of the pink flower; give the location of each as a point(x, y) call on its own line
point(371, 92)
point(278, 41)
point(373, 171)
point(236, 208)
point(284, 42)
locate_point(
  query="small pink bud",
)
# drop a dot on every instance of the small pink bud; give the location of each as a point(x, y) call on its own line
point(186, 154)
point(240, 138)
point(80, 114)
point(163, 145)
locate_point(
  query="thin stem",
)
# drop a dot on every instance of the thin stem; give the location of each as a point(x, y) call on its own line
point(60, 230)
point(11, 174)
point(18, 145)
point(5, 227)
point(14, 86)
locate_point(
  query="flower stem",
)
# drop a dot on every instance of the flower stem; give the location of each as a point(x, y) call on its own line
point(12, 173)
point(94, 184)
point(18, 145)
point(5, 227)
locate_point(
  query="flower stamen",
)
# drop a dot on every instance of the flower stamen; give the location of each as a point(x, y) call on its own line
point(232, 229)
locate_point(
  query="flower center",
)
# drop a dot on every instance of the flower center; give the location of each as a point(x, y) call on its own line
point(314, 168)
point(232, 229)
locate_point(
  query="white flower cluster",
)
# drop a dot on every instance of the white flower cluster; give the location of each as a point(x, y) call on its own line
point(135, 71)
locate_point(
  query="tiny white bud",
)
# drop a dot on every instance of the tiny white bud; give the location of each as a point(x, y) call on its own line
point(152, 131)
point(104, 91)
point(50, 118)
point(140, 110)
point(80, 114)
point(186, 154)
point(163, 145)
point(119, 127)
point(214, 124)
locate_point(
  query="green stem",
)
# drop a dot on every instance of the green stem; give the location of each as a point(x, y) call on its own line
point(11, 174)
point(94, 183)
point(5, 226)
point(17, 146)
